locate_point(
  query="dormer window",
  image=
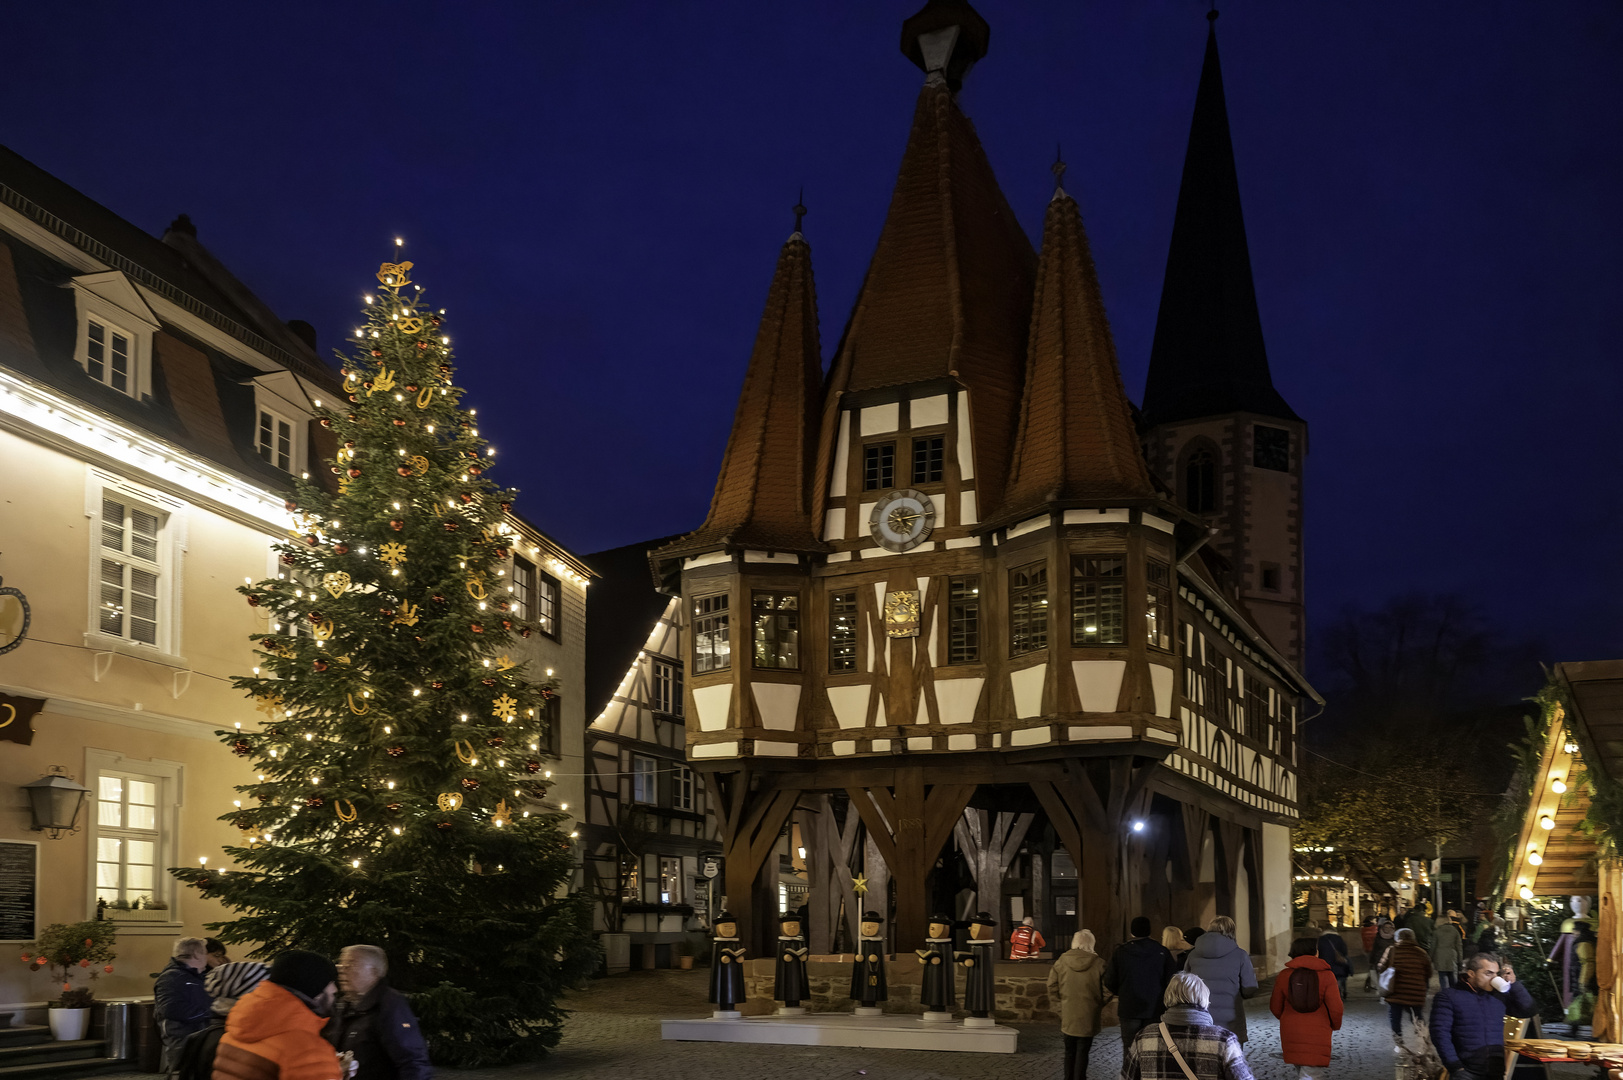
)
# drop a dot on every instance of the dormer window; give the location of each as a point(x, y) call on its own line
point(275, 440)
point(282, 416)
point(114, 344)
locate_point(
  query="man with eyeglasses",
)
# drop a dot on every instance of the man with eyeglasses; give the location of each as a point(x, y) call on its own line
point(1468, 1019)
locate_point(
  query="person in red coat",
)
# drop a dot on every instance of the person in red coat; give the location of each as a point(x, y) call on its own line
point(1305, 1036)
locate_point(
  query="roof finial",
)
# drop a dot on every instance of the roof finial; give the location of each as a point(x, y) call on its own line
point(800, 208)
point(1058, 169)
point(1211, 15)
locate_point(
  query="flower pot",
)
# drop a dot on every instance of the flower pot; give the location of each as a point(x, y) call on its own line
point(685, 963)
point(68, 1025)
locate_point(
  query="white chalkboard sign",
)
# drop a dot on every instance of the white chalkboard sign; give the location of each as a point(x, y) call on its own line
point(19, 889)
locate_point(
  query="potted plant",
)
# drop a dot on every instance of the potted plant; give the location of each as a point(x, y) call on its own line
point(68, 949)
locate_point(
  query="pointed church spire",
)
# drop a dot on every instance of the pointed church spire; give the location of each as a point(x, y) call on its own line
point(762, 497)
point(1208, 357)
point(1075, 442)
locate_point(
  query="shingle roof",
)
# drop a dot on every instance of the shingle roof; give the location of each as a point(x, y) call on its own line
point(948, 292)
point(1208, 357)
point(762, 498)
point(1075, 440)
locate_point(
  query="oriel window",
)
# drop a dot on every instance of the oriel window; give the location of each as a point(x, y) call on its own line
point(878, 467)
point(1158, 605)
point(1098, 600)
point(842, 631)
point(1271, 448)
point(776, 630)
point(964, 620)
point(712, 648)
point(1028, 609)
point(929, 459)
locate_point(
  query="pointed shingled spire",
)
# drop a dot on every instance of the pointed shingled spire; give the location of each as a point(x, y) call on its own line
point(1076, 441)
point(1208, 357)
point(762, 497)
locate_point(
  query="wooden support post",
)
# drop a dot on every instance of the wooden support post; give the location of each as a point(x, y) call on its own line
point(751, 821)
point(909, 825)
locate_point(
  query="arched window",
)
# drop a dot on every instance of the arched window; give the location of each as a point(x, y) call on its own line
point(1200, 481)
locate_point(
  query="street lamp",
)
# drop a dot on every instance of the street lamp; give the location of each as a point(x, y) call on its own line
point(1138, 826)
point(55, 799)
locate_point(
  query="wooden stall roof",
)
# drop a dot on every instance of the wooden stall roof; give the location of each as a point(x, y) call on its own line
point(1597, 694)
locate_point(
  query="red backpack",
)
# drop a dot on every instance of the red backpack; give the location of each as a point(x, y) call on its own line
point(1302, 991)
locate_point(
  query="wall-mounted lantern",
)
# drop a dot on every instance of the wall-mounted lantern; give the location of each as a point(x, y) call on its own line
point(55, 799)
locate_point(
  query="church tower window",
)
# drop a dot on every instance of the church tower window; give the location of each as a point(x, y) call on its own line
point(1028, 609)
point(1271, 448)
point(964, 620)
point(842, 631)
point(1200, 482)
point(879, 467)
point(929, 459)
point(776, 617)
point(1098, 600)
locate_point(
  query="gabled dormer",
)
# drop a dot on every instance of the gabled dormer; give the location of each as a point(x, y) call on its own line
point(113, 342)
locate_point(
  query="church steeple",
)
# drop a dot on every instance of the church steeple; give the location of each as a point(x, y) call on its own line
point(1075, 442)
point(1208, 357)
point(763, 495)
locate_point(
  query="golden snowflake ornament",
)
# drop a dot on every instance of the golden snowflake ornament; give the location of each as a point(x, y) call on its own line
point(393, 554)
point(505, 707)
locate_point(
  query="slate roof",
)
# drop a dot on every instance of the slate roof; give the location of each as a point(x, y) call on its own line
point(1075, 442)
point(1208, 356)
point(621, 608)
point(763, 495)
point(948, 292)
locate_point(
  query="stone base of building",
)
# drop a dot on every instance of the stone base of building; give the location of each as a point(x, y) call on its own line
point(890, 1032)
point(1022, 988)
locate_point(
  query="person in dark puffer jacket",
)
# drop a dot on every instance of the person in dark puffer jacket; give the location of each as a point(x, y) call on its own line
point(274, 1032)
point(181, 1004)
point(1138, 974)
point(374, 1021)
point(1409, 985)
point(1468, 1019)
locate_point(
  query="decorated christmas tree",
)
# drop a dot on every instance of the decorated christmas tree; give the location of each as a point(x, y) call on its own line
point(398, 800)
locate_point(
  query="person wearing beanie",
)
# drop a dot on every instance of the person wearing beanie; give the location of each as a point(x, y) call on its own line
point(374, 1022)
point(225, 984)
point(1138, 974)
point(274, 1032)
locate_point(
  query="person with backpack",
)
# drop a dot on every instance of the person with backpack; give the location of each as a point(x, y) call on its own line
point(1308, 1003)
point(1333, 951)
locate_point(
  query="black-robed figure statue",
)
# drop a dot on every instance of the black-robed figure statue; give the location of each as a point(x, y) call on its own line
point(727, 965)
point(790, 985)
point(868, 973)
point(937, 993)
point(980, 978)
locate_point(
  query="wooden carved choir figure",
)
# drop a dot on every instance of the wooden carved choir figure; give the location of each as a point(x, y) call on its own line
point(980, 976)
point(791, 985)
point(868, 973)
point(1575, 948)
point(727, 968)
point(938, 993)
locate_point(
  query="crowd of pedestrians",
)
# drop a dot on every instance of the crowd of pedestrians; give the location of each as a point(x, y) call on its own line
point(302, 1017)
point(1180, 999)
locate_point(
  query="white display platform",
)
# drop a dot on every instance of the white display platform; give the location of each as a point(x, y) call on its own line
point(890, 1032)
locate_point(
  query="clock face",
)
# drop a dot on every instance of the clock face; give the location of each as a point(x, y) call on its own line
point(902, 520)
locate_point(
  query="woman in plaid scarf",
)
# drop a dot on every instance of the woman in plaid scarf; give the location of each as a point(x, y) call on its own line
point(1210, 1052)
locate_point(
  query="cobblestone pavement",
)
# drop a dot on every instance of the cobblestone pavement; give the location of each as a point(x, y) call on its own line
point(614, 1032)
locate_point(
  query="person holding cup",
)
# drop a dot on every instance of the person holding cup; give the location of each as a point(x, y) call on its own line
point(1468, 1018)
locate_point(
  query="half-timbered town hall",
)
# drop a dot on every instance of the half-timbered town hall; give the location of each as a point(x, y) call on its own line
point(1043, 647)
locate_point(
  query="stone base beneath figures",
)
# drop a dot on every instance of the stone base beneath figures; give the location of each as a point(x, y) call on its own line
point(979, 1022)
point(726, 1014)
point(890, 1032)
point(791, 1010)
point(867, 1010)
point(937, 1018)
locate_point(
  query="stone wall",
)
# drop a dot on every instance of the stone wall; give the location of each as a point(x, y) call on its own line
point(1022, 988)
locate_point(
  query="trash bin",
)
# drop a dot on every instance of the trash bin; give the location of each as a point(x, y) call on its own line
point(116, 1030)
point(145, 1042)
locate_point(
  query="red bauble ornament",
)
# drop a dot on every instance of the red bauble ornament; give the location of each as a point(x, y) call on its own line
point(433, 320)
point(312, 540)
point(340, 549)
point(488, 682)
point(506, 506)
point(399, 422)
point(268, 644)
point(314, 617)
point(546, 695)
point(470, 783)
point(476, 628)
point(263, 796)
point(501, 605)
point(411, 388)
point(288, 559)
point(367, 384)
point(354, 474)
point(376, 352)
point(465, 497)
point(437, 598)
point(403, 471)
point(393, 808)
point(290, 506)
point(314, 801)
point(525, 631)
point(352, 416)
point(387, 613)
point(326, 422)
point(395, 751)
point(507, 624)
point(451, 526)
point(397, 524)
point(532, 766)
point(354, 401)
point(501, 553)
point(422, 344)
point(445, 369)
point(241, 748)
point(253, 601)
point(495, 740)
point(349, 445)
point(474, 470)
point(437, 684)
point(443, 825)
point(320, 665)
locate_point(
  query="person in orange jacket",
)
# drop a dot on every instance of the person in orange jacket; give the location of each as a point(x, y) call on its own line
point(1025, 942)
point(1305, 1035)
point(274, 1032)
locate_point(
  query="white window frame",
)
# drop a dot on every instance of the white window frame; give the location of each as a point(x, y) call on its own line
point(287, 398)
point(644, 774)
point(682, 788)
point(295, 463)
point(670, 876)
point(169, 565)
point(112, 300)
point(169, 776)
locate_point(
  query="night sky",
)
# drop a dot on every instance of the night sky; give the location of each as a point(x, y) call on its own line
point(597, 193)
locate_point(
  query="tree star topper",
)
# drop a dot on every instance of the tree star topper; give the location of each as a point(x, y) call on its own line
point(393, 554)
point(505, 707)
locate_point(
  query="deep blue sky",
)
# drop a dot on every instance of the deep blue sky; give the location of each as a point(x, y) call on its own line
point(597, 193)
